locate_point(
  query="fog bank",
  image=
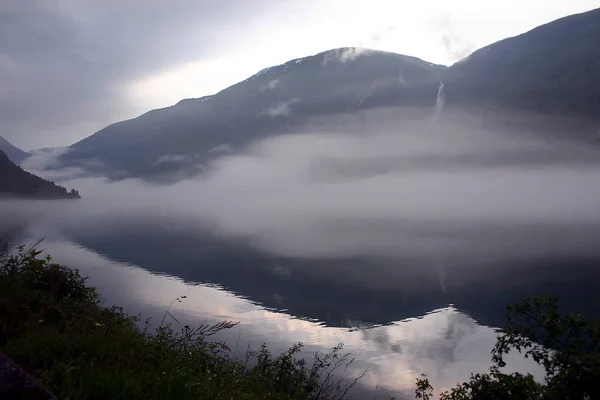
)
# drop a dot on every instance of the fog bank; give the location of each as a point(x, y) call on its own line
point(393, 189)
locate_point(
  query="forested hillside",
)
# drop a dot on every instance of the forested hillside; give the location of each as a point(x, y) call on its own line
point(15, 182)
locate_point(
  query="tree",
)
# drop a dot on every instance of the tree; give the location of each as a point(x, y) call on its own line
point(567, 346)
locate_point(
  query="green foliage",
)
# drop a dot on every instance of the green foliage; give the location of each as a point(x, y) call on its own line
point(567, 346)
point(35, 293)
point(424, 389)
point(54, 326)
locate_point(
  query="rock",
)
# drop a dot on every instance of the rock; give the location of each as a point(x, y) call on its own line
point(16, 384)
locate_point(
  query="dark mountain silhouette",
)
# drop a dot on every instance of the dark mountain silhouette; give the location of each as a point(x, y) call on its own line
point(15, 154)
point(15, 182)
point(551, 71)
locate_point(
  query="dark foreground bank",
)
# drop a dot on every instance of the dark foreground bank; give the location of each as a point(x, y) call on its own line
point(16, 384)
point(55, 328)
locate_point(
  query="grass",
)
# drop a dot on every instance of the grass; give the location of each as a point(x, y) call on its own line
point(54, 326)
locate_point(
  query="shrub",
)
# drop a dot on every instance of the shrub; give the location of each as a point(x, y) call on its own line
point(566, 345)
point(55, 327)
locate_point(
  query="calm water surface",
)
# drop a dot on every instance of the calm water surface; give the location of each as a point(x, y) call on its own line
point(400, 317)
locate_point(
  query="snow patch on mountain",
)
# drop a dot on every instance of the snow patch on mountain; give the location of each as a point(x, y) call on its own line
point(224, 148)
point(265, 71)
point(270, 85)
point(192, 101)
point(346, 54)
point(353, 53)
point(172, 158)
point(282, 109)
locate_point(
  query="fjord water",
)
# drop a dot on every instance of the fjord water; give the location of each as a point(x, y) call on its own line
point(396, 331)
point(406, 247)
point(399, 318)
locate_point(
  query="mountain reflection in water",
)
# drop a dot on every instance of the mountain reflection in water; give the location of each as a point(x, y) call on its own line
point(399, 317)
point(445, 343)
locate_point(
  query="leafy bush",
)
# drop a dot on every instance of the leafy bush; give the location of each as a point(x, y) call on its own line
point(567, 346)
point(55, 327)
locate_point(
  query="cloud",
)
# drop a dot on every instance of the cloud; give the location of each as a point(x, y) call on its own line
point(282, 109)
point(46, 163)
point(400, 193)
point(346, 54)
point(65, 66)
point(455, 44)
point(172, 159)
point(223, 148)
point(45, 158)
point(352, 53)
point(271, 85)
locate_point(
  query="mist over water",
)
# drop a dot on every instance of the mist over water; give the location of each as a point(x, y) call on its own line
point(399, 190)
point(343, 227)
point(396, 189)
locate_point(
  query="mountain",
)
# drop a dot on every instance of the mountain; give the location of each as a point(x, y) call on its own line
point(15, 182)
point(276, 100)
point(550, 71)
point(15, 154)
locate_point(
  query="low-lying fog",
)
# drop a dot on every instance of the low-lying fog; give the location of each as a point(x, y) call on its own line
point(395, 189)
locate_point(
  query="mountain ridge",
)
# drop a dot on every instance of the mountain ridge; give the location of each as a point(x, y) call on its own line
point(279, 99)
point(273, 101)
point(15, 154)
point(549, 69)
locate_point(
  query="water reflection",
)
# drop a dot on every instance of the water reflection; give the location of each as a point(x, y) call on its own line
point(446, 344)
point(348, 291)
point(399, 316)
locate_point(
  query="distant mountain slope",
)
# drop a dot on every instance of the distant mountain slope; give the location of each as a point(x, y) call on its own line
point(15, 182)
point(552, 69)
point(15, 154)
point(273, 101)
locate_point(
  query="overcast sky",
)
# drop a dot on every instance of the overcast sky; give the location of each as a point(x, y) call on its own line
point(70, 67)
